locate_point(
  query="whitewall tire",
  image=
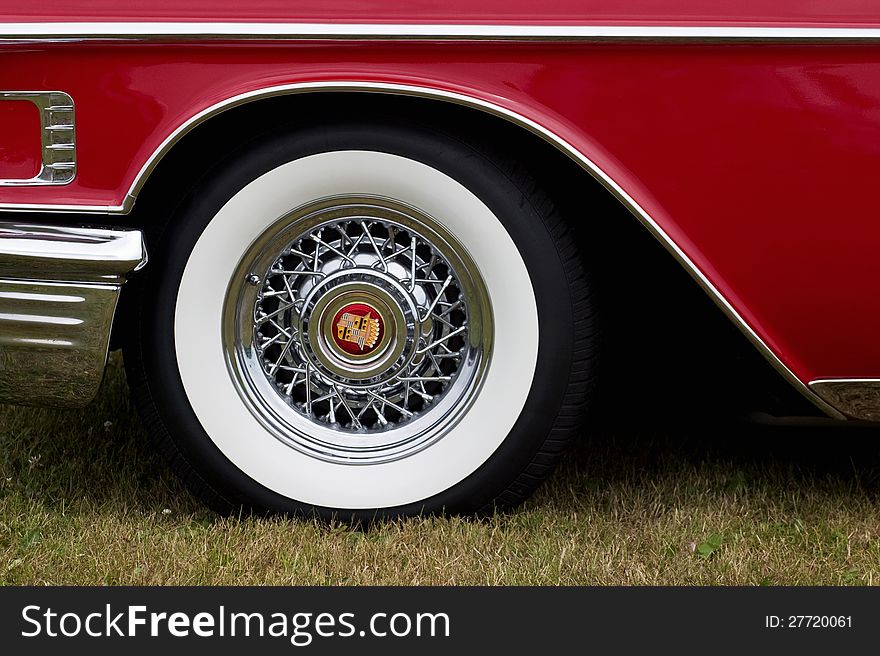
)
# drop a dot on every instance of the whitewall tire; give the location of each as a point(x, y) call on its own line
point(260, 387)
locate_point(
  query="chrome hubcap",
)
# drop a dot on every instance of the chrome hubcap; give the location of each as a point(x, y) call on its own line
point(358, 329)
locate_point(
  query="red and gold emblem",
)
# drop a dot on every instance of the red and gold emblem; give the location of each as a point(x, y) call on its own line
point(359, 328)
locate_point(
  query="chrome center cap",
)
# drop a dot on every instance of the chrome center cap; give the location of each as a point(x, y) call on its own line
point(359, 325)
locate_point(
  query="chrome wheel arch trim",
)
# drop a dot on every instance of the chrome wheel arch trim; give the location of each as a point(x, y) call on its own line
point(513, 117)
point(144, 30)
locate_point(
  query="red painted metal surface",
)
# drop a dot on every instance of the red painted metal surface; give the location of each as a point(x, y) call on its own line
point(760, 161)
point(607, 12)
point(20, 145)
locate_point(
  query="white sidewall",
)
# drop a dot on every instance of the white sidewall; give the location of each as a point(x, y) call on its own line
point(237, 433)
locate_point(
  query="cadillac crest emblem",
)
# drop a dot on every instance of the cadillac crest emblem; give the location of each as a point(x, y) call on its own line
point(358, 328)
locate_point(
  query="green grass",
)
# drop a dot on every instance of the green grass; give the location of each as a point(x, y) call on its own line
point(84, 501)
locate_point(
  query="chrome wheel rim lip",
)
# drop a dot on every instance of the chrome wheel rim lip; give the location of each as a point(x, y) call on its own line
point(327, 442)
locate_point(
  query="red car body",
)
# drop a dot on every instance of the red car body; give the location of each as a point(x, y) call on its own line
point(745, 135)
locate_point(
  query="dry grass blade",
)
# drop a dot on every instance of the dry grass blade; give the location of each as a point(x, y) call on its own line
point(83, 501)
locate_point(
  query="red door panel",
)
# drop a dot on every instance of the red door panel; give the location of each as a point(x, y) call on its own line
point(759, 160)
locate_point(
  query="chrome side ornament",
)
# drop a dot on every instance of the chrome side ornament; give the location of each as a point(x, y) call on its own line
point(57, 135)
point(58, 292)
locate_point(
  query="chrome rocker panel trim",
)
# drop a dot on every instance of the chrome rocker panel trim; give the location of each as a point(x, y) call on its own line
point(517, 119)
point(58, 292)
point(857, 398)
point(57, 137)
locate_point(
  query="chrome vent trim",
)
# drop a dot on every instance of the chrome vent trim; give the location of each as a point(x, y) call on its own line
point(57, 135)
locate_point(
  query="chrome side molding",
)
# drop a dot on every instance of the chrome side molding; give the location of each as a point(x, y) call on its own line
point(54, 32)
point(57, 137)
point(857, 398)
point(58, 292)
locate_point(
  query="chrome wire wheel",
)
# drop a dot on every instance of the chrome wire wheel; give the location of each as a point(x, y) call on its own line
point(357, 329)
point(363, 319)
